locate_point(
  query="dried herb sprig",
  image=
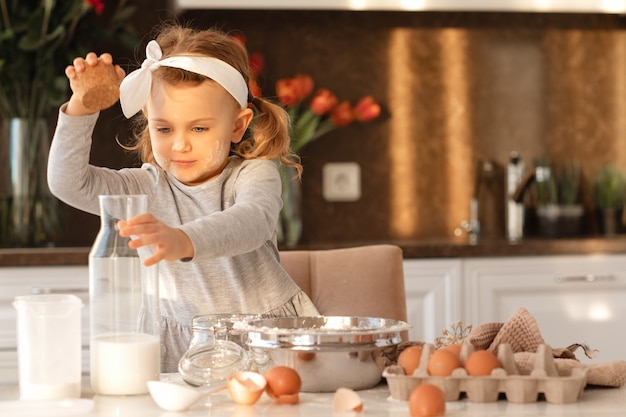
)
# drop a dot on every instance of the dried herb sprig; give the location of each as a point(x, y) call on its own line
point(457, 333)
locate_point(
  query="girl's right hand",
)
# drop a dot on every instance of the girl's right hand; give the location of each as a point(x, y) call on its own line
point(83, 67)
point(167, 243)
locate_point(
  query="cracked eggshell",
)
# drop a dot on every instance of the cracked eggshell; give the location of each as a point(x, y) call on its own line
point(347, 399)
point(246, 387)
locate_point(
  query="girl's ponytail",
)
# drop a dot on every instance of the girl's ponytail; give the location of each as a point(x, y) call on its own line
point(270, 135)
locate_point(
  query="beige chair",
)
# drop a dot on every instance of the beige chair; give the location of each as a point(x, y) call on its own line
point(365, 281)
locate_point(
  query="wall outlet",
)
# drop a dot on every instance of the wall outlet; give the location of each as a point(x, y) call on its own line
point(341, 181)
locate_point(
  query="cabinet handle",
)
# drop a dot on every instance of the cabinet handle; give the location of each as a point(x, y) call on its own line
point(584, 278)
point(39, 290)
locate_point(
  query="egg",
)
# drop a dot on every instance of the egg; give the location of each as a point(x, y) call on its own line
point(305, 356)
point(246, 387)
point(427, 400)
point(442, 362)
point(409, 359)
point(346, 399)
point(283, 384)
point(481, 363)
point(454, 348)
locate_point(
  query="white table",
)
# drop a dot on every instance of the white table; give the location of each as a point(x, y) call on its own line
point(595, 402)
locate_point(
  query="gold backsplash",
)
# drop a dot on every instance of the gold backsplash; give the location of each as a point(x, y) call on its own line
point(455, 87)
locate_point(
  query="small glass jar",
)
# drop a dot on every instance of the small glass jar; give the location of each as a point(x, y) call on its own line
point(208, 363)
point(218, 348)
point(209, 327)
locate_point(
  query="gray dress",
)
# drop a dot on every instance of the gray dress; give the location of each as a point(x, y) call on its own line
point(231, 221)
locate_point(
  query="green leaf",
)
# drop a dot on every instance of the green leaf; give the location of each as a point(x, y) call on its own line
point(6, 35)
point(304, 130)
point(29, 42)
point(123, 15)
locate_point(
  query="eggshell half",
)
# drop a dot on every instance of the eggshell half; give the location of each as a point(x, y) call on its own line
point(346, 399)
point(246, 387)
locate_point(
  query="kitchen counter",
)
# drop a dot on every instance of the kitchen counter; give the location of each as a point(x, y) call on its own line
point(414, 249)
point(596, 402)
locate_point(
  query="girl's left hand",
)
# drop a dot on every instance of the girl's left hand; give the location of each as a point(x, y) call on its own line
point(169, 243)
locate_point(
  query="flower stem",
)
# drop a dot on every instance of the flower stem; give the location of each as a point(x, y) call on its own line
point(5, 15)
point(47, 11)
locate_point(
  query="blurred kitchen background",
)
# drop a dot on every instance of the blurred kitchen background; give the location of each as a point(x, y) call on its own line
point(456, 88)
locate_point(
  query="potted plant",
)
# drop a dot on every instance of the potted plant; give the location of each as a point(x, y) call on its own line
point(38, 39)
point(559, 212)
point(609, 186)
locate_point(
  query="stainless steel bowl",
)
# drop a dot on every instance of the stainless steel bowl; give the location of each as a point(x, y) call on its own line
point(328, 352)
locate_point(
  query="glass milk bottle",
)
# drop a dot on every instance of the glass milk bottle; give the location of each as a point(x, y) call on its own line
point(124, 305)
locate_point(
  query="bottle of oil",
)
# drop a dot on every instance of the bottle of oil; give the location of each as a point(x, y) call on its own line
point(124, 305)
point(514, 210)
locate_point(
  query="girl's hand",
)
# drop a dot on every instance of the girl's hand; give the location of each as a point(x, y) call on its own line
point(168, 243)
point(82, 68)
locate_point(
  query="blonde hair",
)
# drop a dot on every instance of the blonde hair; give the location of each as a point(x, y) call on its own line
point(268, 136)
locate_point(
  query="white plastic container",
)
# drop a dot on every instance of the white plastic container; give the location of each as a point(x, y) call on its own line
point(49, 346)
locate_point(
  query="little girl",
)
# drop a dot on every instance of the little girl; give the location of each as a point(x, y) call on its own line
point(214, 193)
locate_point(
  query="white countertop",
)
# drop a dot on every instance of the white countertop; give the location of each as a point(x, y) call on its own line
point(595, 402)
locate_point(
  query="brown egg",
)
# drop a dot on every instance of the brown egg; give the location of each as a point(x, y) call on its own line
point(442, 363)
point(409, 359)
point(427, 400)
point(481, 363)
point(305, 356)
point(283, 384)
point(246, 387)
point(454, 348)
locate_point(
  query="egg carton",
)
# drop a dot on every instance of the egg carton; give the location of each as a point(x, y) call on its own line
point(557, 387)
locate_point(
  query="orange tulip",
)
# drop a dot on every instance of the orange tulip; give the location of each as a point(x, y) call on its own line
point(305, 86)
point(257, 62)
point(323, 102)
point(287, 91)
point(342, 115)
point(366, 109)
point(291, 91)
point(241, 38)
point(254, 88)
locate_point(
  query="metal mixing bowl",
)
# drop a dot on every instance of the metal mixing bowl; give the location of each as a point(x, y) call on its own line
point(328, 352)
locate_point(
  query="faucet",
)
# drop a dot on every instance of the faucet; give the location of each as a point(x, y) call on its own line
point(472, 226)
point(539, 174)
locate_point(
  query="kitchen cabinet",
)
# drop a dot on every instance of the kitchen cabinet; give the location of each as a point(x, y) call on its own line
point(574, 299)
point(578, 298)
point(433, 294)
point(17, 281)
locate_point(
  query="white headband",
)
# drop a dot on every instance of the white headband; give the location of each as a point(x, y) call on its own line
point(135, 88)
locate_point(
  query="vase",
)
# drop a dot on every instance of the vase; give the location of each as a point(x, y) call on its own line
point(29, 214)
point(290, 220)
point(610, 220)
point(560, 221)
